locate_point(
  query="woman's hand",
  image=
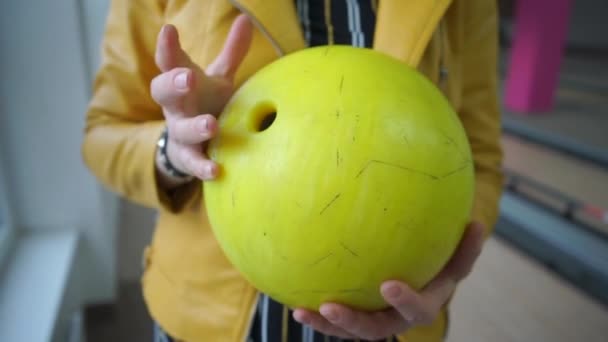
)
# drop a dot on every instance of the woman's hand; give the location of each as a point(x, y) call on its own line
point(409, 308)
point(191, 97)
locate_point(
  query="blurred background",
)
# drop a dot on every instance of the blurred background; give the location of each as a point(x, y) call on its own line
point(70, 252)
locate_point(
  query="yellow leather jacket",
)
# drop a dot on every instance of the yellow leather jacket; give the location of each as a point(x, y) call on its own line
point(189, 286)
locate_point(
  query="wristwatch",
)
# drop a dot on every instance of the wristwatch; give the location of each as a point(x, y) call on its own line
point(164, 163)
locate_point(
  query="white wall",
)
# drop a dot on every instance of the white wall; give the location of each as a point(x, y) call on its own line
point(44, 90)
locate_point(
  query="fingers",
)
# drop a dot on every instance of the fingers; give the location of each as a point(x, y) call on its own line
point(217, 90)
point(187, 136)
point(439, 290)
point(412, 306)
point(186, 92)
point(188, 131)
point(169, 89)
point(189, 159)
point(184, 88)
point(466, 254)
point(365, 325)
point(424, 306)
point(169, 53)
point(409, 307)
point(235, 49)
point(319, 323)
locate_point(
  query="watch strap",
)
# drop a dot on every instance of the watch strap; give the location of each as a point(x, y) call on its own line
point(168, 167)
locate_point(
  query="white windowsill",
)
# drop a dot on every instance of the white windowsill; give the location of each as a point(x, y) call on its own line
point(33, 284)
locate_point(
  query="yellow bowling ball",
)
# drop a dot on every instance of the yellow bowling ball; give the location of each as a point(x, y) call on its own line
point(341, 168)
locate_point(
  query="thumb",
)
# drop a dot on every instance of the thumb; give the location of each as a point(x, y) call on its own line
point(235, 49)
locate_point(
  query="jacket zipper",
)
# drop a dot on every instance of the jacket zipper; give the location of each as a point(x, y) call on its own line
point(259, 25)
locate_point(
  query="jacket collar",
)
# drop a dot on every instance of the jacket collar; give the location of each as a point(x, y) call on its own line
point(278, 21)
point(404, 28)
point(403, 37)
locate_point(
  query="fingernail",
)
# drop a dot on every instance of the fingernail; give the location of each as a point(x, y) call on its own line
point(181, 80)
point(203, 126)
point(210, 171)
point(392, 291)
point(330, 314)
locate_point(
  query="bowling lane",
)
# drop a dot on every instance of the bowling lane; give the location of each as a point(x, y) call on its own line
point(580, 180)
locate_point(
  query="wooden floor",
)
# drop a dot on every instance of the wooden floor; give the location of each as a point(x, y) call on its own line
point(510, 298)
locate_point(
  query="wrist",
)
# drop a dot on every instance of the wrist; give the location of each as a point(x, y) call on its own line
point(170, 175)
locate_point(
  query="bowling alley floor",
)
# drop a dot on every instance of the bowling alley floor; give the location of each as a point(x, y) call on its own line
point(509, 296)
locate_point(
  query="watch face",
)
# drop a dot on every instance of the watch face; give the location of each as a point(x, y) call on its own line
point(162, 141)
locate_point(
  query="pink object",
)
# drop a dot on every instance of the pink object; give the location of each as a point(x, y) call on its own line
point(596, 212)
point(537, 49)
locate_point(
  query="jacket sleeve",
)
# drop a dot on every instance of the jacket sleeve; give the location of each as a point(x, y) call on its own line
point(123, 123)
point(480, 113)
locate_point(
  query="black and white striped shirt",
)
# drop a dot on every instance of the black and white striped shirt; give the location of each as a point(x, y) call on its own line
point(346, 22)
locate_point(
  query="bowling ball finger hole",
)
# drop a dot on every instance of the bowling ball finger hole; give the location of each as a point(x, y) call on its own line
point(263, 116)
